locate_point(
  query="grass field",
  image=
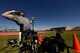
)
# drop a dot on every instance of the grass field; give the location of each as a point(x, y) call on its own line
point(66, 35)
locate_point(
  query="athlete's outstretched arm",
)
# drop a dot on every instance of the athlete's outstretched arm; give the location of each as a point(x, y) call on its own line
point(9, 14)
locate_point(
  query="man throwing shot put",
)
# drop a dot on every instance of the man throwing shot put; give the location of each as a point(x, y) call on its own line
point(19, 18)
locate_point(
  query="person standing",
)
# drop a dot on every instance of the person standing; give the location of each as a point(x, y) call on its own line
point(21, 20)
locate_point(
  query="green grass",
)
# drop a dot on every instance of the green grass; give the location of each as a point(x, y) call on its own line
point(66, 35)
point(3, 44)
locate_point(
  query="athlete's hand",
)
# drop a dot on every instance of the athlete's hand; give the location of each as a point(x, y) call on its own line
point(13, 11)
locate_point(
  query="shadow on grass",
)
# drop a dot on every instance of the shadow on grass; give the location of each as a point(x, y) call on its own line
point(4, 48)
point(54, 44)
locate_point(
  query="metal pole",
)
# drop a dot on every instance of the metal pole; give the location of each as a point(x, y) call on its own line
point(33, 22)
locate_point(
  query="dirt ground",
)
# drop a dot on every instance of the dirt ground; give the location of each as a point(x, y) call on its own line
point(17, 33)
point(9, 33)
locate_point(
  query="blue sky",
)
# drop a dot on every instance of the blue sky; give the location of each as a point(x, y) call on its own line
point(48, 13)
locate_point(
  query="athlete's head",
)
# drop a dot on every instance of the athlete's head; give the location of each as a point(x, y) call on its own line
point(20, 13)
